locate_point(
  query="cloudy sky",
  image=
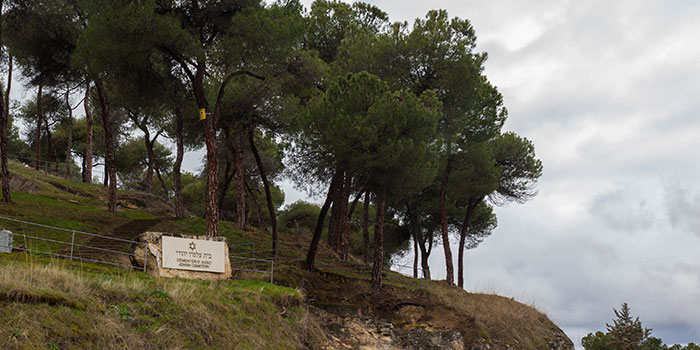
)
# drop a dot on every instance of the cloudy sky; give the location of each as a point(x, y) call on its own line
point(609, 92)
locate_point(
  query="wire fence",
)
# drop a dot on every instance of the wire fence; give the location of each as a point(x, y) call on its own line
point(84, 247)
point(73, 245)
point(261, 254)
point(246, 258)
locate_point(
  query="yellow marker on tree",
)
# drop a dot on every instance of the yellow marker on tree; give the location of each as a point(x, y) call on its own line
point(202, 114)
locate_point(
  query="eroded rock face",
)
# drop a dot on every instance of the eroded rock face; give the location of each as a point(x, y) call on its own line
point(154, 257)
point(349, 330)
point(363, 333)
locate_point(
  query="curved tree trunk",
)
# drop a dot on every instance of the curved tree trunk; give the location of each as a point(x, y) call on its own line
point(443, 223)
point(256, 206)
point(88, 134)
point(110, 170)
point(379, 241)
point(177, 179)
point(162, 184)
point(471, 205)
point(313, 247)
point(268, 194)
point(353, 205)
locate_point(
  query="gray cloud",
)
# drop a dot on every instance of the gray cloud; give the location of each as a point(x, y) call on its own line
point(683, 206)
point(608, 92)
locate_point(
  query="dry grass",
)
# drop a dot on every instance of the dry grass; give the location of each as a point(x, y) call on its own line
point(48, 304)
point(498, 318)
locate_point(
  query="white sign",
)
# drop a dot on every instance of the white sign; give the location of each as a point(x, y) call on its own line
point(193, 254)
point(5, 241)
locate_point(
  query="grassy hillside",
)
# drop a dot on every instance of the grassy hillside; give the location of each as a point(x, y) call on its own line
point(51, 304)
point(57, 305)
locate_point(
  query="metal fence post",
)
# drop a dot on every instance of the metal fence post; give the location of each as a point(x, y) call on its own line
point(145, 256)
point(72, 244)
point(272, 271)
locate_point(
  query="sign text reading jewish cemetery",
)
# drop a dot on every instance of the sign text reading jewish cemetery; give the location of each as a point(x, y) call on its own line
point(193, 254)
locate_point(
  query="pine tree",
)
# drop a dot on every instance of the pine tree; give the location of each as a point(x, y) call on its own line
point(626, 333)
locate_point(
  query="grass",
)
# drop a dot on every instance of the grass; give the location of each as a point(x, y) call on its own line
point(57, 202)
point(51, 304)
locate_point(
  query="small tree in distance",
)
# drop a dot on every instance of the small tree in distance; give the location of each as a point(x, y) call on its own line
point(627, 333)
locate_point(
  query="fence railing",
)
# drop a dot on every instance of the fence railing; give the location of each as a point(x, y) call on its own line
point(80, 246)
point(73, 245)
point(260, 253)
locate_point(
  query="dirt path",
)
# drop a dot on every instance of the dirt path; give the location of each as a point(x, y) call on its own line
point(108, 249)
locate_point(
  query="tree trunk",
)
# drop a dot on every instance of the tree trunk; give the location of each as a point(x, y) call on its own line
point(471, 204)
point(268, 194)
point(332, 236)
point(5, 113)
point(365, 228)
point(162, 184)
point(209, 124)
point(424, 255)
point(241, 216)
point(177, 179)
point(313, 247)
point(339, 215)
point(443, 223)
point(344, 239)
point(148, 181)
point(110, 170)
point(414, 235)
point(88, 134)
point(39, 120)
point(256, 206)
point(353, 205)
point(82, 168)
point(416, 256)
point(52, 150)
point(212, 209)
point(228, 177)
point(379, 242)
point(69, 145)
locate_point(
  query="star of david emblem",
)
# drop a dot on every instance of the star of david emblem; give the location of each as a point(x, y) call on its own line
point(192, 246)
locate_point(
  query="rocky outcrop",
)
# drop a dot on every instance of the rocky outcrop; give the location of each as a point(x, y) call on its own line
point(354, 331)
point(154, 257)
point(364, 333)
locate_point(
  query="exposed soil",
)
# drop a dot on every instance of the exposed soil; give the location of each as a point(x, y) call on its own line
point(114, 246)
